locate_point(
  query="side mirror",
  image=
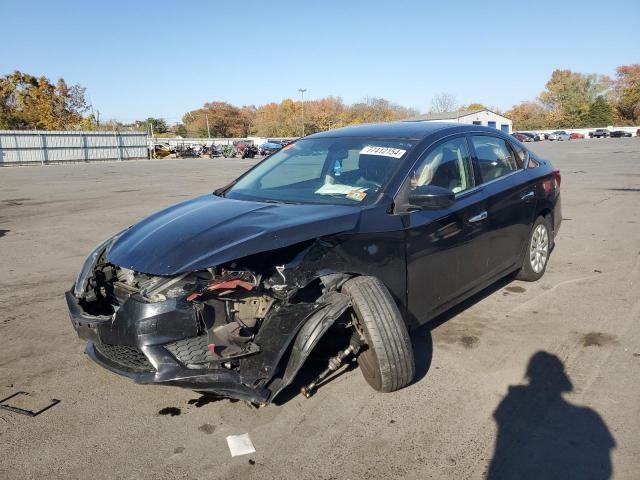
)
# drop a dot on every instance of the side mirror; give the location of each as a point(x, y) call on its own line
point(430, 197)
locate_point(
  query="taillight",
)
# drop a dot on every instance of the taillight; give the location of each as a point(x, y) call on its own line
point(558, 177)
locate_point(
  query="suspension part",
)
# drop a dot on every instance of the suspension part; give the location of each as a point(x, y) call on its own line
point(334, 364)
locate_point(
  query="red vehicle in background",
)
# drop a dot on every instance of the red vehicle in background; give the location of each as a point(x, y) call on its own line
point(576, 136)
point(520, 137)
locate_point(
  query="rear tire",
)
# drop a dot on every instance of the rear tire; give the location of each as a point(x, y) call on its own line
point(538, 249)
point(387, 363)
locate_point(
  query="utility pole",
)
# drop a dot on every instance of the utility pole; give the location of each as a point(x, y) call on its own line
point(206, 116)
point(302, 90)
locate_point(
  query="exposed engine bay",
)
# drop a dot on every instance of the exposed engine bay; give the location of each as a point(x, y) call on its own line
point(255, 322)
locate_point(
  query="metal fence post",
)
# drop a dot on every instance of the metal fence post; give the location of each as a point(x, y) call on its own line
point(116, 135)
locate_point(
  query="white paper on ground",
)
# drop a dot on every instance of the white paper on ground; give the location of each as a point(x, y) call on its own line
point(240, 445)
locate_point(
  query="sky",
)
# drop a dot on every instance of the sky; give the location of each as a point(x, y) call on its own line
point(163, 58)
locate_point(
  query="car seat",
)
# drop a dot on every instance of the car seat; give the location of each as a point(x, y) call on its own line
point(374, 168)
point(447, 175)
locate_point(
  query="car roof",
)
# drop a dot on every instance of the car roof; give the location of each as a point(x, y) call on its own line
point(409, 129)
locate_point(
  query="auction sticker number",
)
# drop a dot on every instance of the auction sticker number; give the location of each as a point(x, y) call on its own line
point(383, 151)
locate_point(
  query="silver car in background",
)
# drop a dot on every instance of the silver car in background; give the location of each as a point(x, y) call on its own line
point(561, 135)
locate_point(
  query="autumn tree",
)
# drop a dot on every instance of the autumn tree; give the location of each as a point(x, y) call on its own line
point(27, 102)
point(224, 120)
point(323, 114)
point(626, 88)
point(285, 119)
point(528, 116)
point(569, 95)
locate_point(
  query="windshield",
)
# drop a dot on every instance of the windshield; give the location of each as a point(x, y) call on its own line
point(338, 171)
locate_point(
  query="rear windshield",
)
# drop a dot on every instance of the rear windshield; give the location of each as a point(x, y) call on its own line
point(338, 171)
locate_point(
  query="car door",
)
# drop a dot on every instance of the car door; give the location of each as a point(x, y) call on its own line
point(510, 195)
point(442, 259)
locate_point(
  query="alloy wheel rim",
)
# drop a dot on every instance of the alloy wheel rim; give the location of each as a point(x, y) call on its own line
point(539, 248)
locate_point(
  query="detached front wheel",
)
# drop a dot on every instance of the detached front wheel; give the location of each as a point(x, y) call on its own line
point(387, 362)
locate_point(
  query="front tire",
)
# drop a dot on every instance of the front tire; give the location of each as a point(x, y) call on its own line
point(387, 363)
point(536, 256)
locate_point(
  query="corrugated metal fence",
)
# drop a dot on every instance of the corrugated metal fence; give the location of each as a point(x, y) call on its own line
point(22, 147)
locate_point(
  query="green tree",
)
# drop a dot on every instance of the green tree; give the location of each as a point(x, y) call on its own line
point(473, 107)
point(180, 130)
point(157, 125)
point(600, 113)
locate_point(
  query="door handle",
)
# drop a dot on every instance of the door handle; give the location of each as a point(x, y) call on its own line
point(478, 218)
point(527, 196)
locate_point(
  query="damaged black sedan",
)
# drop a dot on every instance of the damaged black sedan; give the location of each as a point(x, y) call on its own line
point(358, 234)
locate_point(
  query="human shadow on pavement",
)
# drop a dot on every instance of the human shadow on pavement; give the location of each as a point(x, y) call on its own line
point(542, 436)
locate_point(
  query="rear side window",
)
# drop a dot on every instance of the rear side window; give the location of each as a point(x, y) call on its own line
point(521, 153)
point(495, 158)
point(447, 166)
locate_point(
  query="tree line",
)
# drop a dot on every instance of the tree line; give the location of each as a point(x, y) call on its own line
point(284, 119)
point(569, 100)
point(575, 100)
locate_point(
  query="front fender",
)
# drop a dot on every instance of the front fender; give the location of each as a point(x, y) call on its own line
point(309, 336)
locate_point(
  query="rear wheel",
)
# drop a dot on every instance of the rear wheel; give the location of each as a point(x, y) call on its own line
point(387, 362)
point(536, 257)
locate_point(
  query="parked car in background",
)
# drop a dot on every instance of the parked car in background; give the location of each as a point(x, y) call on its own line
point(638, 133)
point(552, 136)
point(576, 136)
point(561, 135)
point(529, 137)
point(619, 134)
point(352, 236)
point(269, 148)
point(599, 133)
point(540, 136)
point(520, 137)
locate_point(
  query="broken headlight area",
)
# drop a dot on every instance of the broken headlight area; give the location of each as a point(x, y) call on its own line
point(228, 330)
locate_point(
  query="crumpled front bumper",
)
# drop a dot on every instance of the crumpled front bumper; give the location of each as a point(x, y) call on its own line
point(136, 343)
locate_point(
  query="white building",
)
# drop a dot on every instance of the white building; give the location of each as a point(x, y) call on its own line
point(485, 117)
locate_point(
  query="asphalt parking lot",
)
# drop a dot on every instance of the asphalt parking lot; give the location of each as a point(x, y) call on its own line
point(585, 311)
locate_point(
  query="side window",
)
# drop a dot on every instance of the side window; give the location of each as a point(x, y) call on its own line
point(495, 157)
point(521, 154)
point(448, 166)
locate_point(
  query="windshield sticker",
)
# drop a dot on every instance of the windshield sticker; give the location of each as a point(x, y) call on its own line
point(357, 195)
point(338, 189)
point(383, 151)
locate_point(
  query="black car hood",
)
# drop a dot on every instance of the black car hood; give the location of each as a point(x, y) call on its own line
point(208, 231)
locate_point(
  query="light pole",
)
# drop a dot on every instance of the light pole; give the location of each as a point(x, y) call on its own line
point(302, 90)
